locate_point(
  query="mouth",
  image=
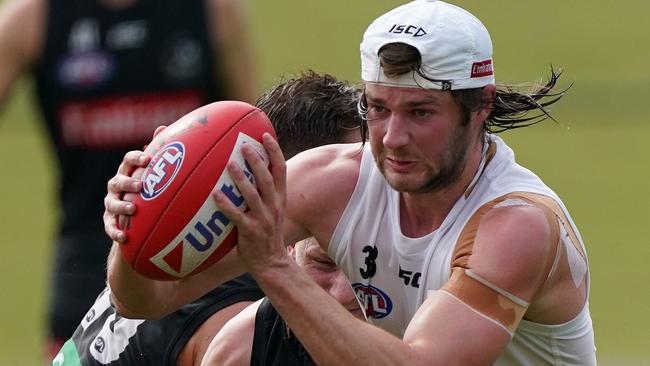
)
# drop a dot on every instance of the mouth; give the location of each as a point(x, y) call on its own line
point(398, 165)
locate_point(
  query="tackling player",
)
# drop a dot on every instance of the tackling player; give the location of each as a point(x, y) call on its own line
point(322, 110)
point(259, 336)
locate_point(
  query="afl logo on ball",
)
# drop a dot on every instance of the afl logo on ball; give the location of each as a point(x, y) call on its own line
point(161, 170)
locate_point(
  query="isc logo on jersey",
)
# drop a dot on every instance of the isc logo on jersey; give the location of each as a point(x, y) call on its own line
point(375, 301)
point(161, 170)
point(209, 227)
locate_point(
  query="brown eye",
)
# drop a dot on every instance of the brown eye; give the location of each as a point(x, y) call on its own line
point(422, 113)
point(376, 112)
point(325, 263)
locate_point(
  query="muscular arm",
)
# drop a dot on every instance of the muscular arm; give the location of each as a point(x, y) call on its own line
point(316, 201)
point(134, 295)
point(22, 24)
point(233, 344)
point(199, 345)
point(229, 35)
point(138, 297)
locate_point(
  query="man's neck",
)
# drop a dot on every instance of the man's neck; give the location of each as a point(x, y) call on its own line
point(423, 213)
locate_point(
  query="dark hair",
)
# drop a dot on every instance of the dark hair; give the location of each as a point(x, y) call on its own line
point(509, 107)
point(311, 110)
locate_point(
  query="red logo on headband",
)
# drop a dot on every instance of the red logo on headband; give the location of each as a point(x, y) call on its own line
point(481, 68)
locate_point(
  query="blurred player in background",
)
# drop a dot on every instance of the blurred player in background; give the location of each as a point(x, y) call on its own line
point(108, 72)
point(307, 111)
point(460, 255)
point(259, 336)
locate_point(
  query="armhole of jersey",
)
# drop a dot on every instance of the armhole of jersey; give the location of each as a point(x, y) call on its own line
point(261, 334)
point(335, 247)
point(490, 152)
point(195, 314)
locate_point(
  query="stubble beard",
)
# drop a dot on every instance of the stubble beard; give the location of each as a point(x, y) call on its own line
point(449, 171)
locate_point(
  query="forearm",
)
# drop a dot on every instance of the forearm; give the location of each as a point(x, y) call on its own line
point(331, 335)
point(136, 296)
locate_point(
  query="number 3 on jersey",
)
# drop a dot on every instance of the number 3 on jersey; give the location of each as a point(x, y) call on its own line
point(371, 266)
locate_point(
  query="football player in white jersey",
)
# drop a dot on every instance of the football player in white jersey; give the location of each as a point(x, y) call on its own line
point(459, 254)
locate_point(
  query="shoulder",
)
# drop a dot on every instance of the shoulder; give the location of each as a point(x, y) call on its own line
point(18, 11)
point(229, 36)
point(224, 5)
point(224, 14)
point(320, 183)
point(22, 28)
point(338, 162)
point(233, 344)
point(214, 7)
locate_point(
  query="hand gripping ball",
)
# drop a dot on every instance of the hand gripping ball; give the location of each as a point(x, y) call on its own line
point(178, 230)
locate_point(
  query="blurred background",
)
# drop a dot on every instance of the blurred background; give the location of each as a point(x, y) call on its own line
point(596, 157)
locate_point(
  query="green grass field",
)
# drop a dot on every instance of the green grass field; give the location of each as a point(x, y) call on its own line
point(597, 158)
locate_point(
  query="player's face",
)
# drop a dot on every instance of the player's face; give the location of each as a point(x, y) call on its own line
point(320, 267)
point(417, 137)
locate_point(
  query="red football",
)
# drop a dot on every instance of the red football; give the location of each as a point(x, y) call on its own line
point(177, 229)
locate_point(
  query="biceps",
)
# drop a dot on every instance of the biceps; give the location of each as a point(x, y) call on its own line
point(446, 331)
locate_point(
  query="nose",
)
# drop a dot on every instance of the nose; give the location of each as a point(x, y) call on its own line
point(396, 134)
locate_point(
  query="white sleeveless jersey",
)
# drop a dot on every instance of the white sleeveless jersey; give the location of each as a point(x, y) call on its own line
point(392, 274)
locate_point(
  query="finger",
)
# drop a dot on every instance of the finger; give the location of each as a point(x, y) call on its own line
point(111, 229)
point(277, 162)
point(263, 177)
point(246, 188)
point(120, 184)
point(114, 206)
point(124, 222)
point(234, 213)
point(132, 160)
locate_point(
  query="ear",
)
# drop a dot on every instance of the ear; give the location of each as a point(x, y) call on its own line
point(488, 94)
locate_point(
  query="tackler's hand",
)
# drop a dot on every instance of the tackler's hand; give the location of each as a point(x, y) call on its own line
point(115, 208)
point(260, 241)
